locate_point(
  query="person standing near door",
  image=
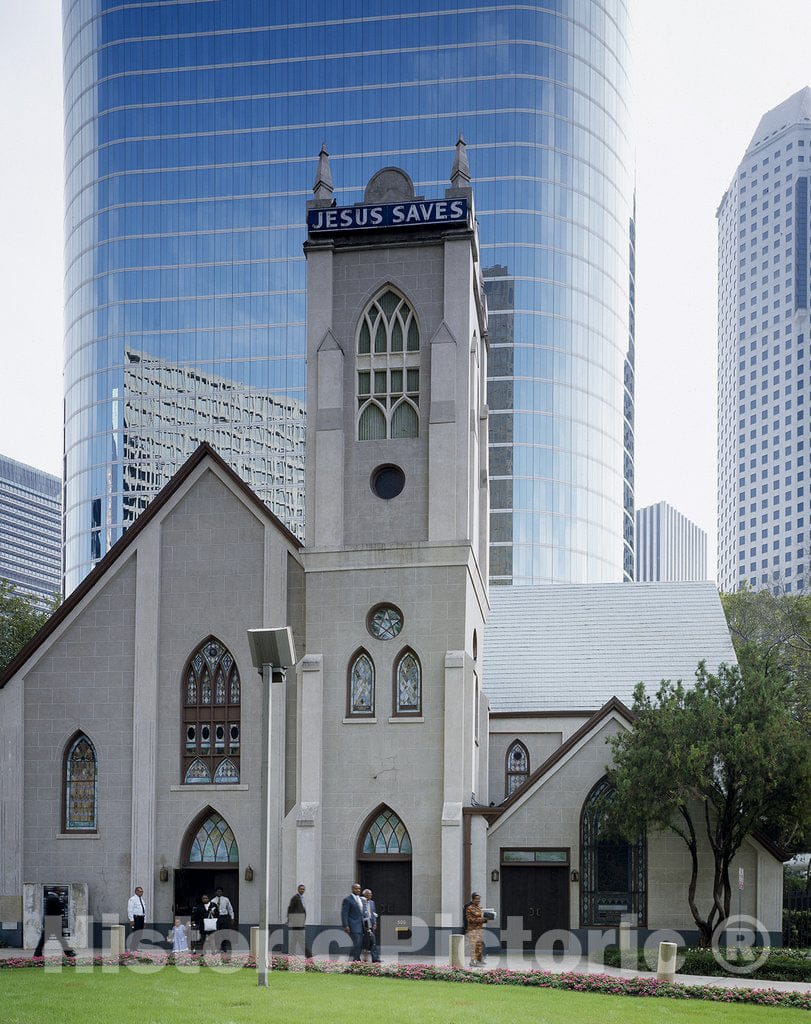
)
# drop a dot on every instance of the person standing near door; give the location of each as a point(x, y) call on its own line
point(225, 919)
point(474, 919)
point(352, 920)
point(136, 910)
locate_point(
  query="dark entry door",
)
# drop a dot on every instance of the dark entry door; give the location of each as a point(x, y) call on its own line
point(539, 894)
point(390, 882)
point(192, 883)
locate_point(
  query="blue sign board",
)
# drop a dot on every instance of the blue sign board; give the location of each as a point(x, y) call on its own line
point(388, 215)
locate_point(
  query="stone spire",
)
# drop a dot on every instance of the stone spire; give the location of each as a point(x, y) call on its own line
point(322, 187)
point(460, 174)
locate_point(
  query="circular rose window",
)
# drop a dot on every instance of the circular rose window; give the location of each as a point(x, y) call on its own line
point(385, 622)
point(388, 482)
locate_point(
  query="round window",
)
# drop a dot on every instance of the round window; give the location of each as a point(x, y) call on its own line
point(388, 481)
point(385, 622)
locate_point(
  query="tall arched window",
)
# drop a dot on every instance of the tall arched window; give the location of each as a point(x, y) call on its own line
point(407, 684)
point(211, 716)
point(516, 767)
point(360, 686)
point(388, 369)
point(80, 785)
point(613, 875)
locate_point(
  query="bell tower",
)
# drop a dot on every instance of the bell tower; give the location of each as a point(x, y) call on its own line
point(396, 539)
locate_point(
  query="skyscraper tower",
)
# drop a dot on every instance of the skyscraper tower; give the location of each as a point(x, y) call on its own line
point(190, 134)
point(763, 341)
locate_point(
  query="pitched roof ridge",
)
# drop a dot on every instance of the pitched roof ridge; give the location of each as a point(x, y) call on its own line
point(203, 451)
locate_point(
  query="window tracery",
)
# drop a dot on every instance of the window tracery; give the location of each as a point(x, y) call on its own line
point(407, 685)
point(388, 369)
point(361, 686)
point(210, 743)
point(80, 775)
point(516, 767)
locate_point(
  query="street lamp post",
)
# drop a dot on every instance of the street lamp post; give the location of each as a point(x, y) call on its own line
point(270, 649)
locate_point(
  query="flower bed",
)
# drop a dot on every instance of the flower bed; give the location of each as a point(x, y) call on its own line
point(568, 981)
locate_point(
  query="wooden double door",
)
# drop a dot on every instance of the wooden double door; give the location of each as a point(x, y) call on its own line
point(390, 882)
point(538, 894)
point(192, 883)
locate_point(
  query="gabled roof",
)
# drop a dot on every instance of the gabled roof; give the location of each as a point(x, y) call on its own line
point(613, 706)
point(202, 452)
point(795, 110)
point(556, 647)
point(596, 720)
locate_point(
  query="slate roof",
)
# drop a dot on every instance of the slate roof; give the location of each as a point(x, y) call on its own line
point(574, 647)
point(795, 110)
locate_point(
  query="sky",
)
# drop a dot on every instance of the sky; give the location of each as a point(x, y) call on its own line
point(705, 71)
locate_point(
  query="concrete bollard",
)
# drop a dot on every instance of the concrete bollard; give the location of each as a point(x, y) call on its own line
point(666, 971)
point(456, 951)
point(625, 936)
point(118, 939)
point(255, 941)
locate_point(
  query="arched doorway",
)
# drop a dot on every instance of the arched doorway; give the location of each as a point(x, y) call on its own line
point(384, 862)
point(209, 860)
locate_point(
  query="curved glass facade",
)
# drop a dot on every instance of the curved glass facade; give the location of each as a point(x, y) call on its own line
point(191, 136)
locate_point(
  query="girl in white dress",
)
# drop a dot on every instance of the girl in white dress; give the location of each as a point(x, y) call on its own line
point(179, 936)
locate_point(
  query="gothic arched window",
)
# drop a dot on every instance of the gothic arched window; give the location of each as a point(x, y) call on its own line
point(80, 775)
point(407, 684)
point(613, 875)
point(388, 369)
point(211, 841)
point(360, 695)
point(211, 726)
point(516, 767)
point(386, 836)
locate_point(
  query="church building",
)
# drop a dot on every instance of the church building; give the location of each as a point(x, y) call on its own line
point(435, 736)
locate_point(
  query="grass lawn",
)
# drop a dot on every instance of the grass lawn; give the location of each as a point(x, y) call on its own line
point(172, 997)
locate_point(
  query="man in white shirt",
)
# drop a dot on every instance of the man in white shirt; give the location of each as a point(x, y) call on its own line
point(225, 918)
point(136, 910)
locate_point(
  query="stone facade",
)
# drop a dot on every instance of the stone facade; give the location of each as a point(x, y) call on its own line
point(207, 560)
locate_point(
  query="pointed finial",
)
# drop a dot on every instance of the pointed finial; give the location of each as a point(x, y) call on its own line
point(460, 174)
point(322, 188)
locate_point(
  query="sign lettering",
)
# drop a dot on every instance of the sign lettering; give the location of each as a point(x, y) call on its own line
point(413, 214)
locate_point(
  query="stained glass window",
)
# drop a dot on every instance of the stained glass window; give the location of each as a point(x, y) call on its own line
point(385, 622)
point(81, 779)
point(516, 767)
point(388, 409)
point(361, 686)
point(408, 685)
point(214, 843)
point(613, 876)
point(387, 836)
point(211, 716)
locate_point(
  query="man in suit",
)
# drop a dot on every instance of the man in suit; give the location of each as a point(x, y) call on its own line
point(370, 926)
point(352, 920)
point(296, 918)
point(136, 910)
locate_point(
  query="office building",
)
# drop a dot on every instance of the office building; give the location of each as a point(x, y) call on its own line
point(669, 547)
point(30, 530)
point(763, 341)
point(190, 134)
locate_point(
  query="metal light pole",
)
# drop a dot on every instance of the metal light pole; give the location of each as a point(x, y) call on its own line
point(270, 648)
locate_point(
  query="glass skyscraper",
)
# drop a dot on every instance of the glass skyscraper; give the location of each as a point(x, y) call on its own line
point(764, 336)
point(30, 530)
point(192, 132)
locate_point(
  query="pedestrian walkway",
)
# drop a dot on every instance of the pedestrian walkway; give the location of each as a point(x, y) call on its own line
point(529, 962)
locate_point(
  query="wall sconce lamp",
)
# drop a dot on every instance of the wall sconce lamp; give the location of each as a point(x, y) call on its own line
point(575, 876)
point(249, 873)
point(163, 874)
point(494, 875)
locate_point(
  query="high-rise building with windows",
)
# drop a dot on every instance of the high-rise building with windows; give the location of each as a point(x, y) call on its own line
point(30, 530)
point(764, 330)
point(669, 547)
point(191, 133)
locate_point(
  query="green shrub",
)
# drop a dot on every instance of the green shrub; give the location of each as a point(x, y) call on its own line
point(780, 964)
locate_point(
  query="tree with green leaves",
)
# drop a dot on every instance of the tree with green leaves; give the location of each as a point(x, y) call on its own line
point(20, 618)
point(719, 760)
